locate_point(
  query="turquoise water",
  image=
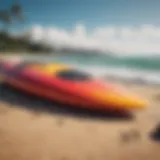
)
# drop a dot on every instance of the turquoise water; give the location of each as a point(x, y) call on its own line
point(147, 69)
point(142, 63)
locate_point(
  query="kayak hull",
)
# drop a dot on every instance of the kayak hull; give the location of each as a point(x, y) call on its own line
point(41, 80)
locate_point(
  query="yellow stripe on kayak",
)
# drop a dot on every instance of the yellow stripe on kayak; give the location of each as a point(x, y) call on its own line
point(51, 68)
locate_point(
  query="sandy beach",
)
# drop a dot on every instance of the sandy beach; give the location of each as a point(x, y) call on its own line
point(33, 129)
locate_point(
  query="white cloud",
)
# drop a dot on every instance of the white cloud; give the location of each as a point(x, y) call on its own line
point(127, 40)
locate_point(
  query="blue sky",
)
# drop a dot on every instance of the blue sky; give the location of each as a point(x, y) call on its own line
point(124, 26)
point(92, 13)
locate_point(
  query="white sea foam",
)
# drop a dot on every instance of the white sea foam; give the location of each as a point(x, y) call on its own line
point(116, 73)
point(123, 74)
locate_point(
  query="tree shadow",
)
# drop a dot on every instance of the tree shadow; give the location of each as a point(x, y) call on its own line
point(15, 97)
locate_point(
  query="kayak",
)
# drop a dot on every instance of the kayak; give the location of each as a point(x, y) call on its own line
point(68, 85)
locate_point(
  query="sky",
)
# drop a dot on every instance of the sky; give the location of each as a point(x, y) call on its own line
point(93, 13)
point(128, 26)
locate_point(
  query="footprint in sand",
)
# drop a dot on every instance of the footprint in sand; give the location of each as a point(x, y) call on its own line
point(60, 122)
point(130, 135)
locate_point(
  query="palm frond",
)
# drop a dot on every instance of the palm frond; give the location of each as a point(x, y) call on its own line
point(17, 12)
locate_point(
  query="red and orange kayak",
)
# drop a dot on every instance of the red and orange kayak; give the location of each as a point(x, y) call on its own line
point(64, 84)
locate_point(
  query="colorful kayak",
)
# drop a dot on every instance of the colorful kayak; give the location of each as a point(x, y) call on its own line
point(67, 85)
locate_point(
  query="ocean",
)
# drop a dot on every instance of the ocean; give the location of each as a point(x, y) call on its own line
point(127, 68)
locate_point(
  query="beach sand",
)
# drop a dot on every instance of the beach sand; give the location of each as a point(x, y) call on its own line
point(27, 132)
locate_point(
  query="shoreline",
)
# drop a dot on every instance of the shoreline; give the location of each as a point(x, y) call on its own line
point(140, 78)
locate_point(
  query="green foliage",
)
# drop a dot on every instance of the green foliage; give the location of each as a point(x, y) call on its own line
point(12, 44)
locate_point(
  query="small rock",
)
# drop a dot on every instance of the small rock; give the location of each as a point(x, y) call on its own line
point(156, 133)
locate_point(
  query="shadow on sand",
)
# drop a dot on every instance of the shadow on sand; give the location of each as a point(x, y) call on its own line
point(12, 96)
point(155, 134)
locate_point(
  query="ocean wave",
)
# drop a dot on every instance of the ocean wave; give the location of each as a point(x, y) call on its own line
point(123, 74)
point(138, 62)
point(141, 70)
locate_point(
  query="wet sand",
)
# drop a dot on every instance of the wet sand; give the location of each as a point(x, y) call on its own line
point(34, 129)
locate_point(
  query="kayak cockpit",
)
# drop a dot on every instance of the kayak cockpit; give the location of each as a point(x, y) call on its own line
point(73, 75)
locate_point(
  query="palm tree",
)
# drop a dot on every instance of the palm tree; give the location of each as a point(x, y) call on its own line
point(14, 12)
point(17, 12)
